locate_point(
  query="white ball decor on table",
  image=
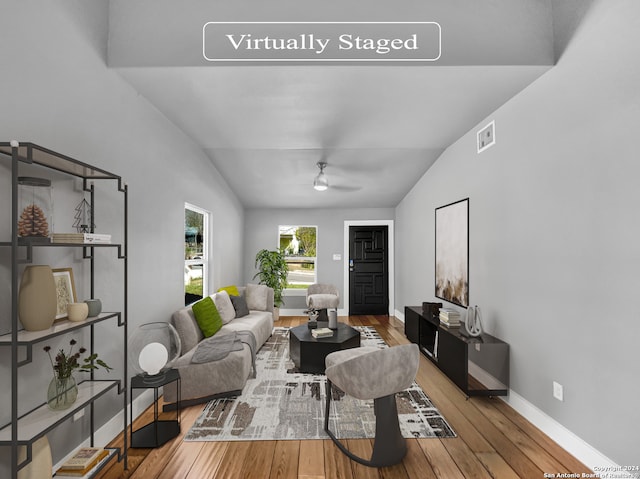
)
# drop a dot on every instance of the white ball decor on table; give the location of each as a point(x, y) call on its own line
point(153, 358)
point(473, 321)
point(153, 348)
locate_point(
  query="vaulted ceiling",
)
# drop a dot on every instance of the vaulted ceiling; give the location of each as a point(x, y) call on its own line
point(378, 126)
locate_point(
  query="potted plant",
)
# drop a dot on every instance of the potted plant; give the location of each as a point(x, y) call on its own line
point(272, 272)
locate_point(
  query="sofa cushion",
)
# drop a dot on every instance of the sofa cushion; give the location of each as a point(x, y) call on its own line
point(207, 316)
point(224, 306)
point(257, 296)
point(240, 306)
point(187, 328)
point(232, 290)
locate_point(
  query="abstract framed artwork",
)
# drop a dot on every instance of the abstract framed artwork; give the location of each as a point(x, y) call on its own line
point(65, 290)
point(452, 252)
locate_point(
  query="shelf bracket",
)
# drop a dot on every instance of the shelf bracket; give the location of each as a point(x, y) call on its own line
point(29, 457)
point(29, 258)
point(84, 252)
point(120, 255)
point(29, 357)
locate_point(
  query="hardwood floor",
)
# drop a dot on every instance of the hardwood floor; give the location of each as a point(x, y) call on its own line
point(493, 441)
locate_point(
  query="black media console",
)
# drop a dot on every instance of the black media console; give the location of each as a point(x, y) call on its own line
point(479, 366)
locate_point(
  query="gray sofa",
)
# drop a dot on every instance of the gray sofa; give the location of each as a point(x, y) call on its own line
point(201, 382)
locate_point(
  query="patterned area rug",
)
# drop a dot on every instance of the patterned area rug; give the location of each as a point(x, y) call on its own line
point(284, 404)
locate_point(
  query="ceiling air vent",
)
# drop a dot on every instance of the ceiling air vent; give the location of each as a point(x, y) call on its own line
point(487, 137)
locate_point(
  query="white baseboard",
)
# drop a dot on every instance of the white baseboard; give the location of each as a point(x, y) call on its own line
point(113, 427)
point(399, 315)
point(573, 444)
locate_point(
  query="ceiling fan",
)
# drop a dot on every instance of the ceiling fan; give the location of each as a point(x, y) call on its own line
point(321, 183)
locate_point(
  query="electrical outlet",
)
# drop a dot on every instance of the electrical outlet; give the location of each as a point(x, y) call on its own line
point(78, 415)
point(558, 391)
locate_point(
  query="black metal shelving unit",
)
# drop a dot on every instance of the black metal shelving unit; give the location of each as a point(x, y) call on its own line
point(25, 429)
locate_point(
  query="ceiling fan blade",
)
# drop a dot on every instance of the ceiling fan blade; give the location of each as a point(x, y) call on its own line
point(344, 188)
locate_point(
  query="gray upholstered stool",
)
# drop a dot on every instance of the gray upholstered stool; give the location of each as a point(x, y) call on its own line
point(321, 297)
point(378, 374)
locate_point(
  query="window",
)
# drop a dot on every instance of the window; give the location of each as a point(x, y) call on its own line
point(299, 246)
point(196, 240)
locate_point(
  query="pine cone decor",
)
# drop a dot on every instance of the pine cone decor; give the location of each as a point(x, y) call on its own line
point(33, 222)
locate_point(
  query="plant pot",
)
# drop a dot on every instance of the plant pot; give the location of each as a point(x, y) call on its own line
point(37, 303)
point(276, 313)
point(62, 393)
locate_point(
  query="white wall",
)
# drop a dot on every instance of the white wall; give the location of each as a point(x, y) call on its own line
point(56, 91)
point(554, 234)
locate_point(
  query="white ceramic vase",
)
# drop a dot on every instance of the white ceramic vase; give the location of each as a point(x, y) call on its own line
point(473, 321)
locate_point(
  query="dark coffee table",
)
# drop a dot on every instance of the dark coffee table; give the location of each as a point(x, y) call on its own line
point(308, 353)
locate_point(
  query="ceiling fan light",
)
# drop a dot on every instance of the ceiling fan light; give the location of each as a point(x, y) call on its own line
point(320, 182)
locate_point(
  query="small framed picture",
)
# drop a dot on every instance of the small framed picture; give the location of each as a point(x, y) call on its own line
point(65, 290)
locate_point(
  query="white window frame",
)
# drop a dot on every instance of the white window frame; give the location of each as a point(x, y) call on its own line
point(204, 261)
point(301, 291)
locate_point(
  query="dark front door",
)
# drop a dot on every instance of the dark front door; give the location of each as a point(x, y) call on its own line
point(368, 270)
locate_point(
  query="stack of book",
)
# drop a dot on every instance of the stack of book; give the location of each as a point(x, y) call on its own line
point(81, 238)
point(322, 333)
point(82, 461)
point(449, 318)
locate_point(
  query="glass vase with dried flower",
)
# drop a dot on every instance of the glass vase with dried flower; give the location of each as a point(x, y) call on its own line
point(63, 389)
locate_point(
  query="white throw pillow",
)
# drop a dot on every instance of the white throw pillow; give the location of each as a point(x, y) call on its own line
point(224, 306)
point(257, 296)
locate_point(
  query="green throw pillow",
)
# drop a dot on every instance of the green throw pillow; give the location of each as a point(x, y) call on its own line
point(207, 316)
point(232, 290)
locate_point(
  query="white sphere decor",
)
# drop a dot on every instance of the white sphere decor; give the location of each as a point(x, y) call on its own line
point(153, 358)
